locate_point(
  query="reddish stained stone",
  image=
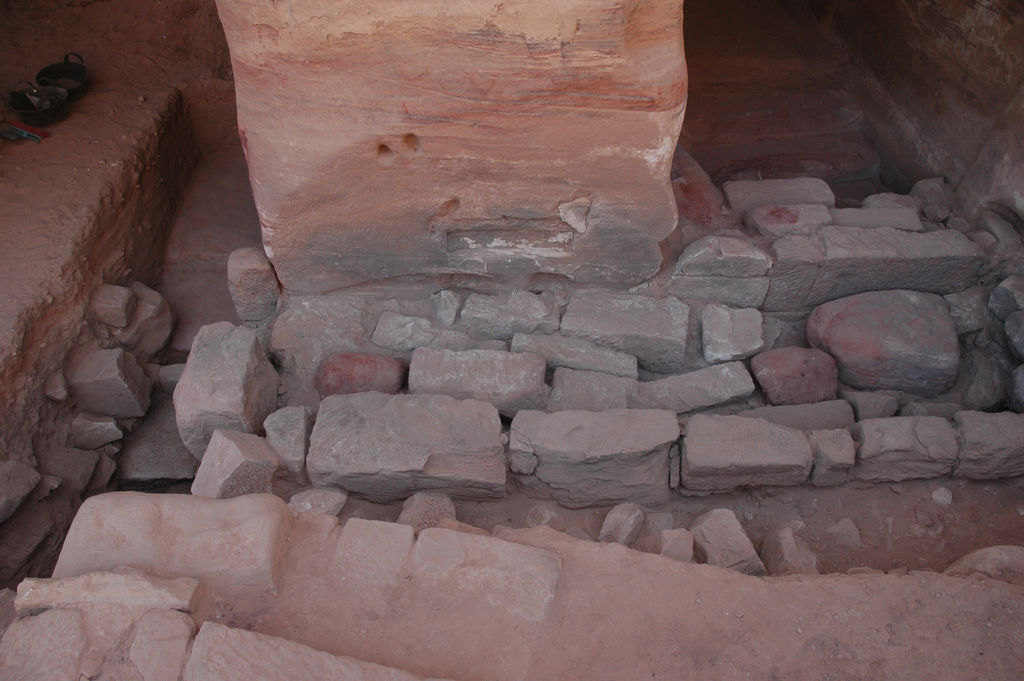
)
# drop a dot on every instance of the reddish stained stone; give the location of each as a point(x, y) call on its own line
point(345, 373)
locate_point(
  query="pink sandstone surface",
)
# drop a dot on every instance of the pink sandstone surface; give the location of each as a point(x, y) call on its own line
point(473, 137)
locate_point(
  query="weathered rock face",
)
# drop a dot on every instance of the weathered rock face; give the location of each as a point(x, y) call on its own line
point(505, 138)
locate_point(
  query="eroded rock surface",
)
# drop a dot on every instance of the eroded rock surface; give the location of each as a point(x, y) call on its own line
point(481, 146)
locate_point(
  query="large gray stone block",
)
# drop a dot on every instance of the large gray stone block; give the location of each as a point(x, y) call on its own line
point(721, 453)
point(652, 330)
point(511, 381)
point(228, 384)
point(576, 353)
point(694, 390)
point(991, 445)
point(503, 316)
point(582, 458)
point(573, 390)
point(385, 447)
point(904, 448)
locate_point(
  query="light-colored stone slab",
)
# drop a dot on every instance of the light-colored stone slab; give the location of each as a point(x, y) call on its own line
point(719, 540)
point(652, 330)
point(991, 445)
point(904, 448)
point(123, 586)
point(228, 384)
point(721, 453)
point(509, 380)
point(779, 221)
point(899, 218)
point(744, 195)
point(385, 447)
point(235, 464)
point(582, 458)
point(694, 390)
point(576, 353)
point(573, 390)
point(502, 316)
point(723, 256)
point(231, 545)
point(729, 333)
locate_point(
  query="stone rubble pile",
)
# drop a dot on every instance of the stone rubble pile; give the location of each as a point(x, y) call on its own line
point(820, 345)
point(612, 397)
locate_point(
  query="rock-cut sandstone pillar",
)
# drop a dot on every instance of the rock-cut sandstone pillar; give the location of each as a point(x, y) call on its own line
point(501, 138)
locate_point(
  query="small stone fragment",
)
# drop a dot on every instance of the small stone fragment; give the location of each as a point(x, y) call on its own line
point(778, 221)
point(677, 544)
point(815, 416)
point(344, 373)
point(719, 539)
point(845, 533)
point(109, 382)
point(942, 496)
point(287, 432)
point(729, 333)
point(56, 387)
point(17, 480)
point(652, 330)
point(123, 586)
point(622, 524)
point(168, 377)
point(160, 647)
point(426, 509)
point(402, 333)
point(694, 390)
point(795, 375)
point(784, 553)
point(889, 200)
point(511, 381)
point(90, 431)
point(151, 325)
point(253, 284)
point(446, 306)
point(835, 453)
point(721, 453)
point(723, 256)
point(871, 405)
point(112, 305)
point(1007, 297)
point(933, 190)
point(900, 218)
point(154, 450)
point(576, 353)
point(73, 466)
point(318, 500)
point(235, 464)
point(969, 309)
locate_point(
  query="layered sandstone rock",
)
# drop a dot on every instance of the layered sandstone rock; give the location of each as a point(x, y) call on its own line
point(492, 137)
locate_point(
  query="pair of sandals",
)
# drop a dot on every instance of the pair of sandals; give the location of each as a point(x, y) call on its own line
point(45, 102)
